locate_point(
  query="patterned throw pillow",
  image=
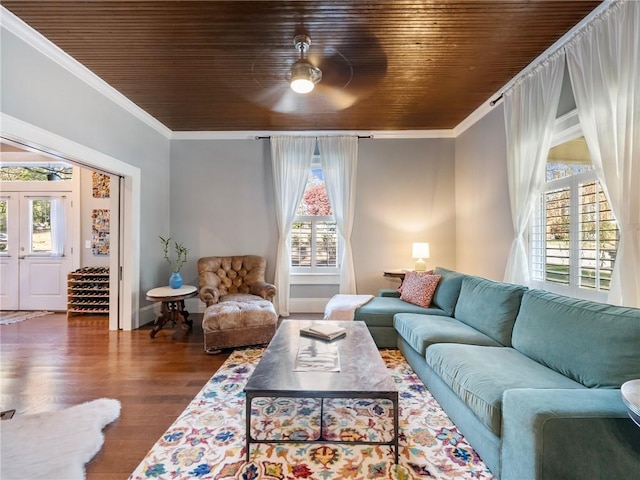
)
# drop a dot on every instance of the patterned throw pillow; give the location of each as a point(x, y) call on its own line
point(418, 288)
point(428, 272)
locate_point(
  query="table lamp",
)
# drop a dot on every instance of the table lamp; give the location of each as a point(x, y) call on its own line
point(420, 251)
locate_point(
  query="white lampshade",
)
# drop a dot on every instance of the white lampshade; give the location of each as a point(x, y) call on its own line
point(420, 252)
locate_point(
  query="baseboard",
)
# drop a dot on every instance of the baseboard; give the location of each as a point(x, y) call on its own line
point(307, 305)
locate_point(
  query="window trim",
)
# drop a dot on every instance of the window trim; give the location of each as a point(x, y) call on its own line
point(316, 275)
point(567, 127)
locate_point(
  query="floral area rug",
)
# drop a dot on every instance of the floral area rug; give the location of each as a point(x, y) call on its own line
point(207, 440)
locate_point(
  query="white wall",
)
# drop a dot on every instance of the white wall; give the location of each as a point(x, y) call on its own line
point(38, 91)
point(405, 194)
point(484, 230)
point(222, 201)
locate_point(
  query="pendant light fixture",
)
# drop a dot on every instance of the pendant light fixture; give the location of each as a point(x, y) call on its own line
point(304, 75)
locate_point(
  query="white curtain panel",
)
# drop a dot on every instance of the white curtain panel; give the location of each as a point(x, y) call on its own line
point(604, 65)
point(291, 160)
point(339, 158)
point(530, 108)
point(58, 225)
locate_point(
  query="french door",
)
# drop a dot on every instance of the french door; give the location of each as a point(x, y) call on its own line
point(35, 255)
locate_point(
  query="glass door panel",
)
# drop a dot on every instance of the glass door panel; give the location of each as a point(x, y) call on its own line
point(4, 237)
point(40, 222)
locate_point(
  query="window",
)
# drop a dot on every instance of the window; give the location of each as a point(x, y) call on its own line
point(3, 225)
point(15, 172)
point(314, 234)
point(573, 234)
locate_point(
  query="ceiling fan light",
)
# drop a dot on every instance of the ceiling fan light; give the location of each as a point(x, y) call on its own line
point(301, 85)
point(304, 77)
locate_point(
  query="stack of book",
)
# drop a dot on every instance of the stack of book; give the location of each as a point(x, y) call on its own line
point(323, 332)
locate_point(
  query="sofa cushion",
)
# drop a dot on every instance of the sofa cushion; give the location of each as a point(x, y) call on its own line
point(240, 297)
point(479, 375)
point(418, 288)
point(490, 307)
point(379, 311)
point(446, 295)
point(421, 331)
point(388, 292)
point(238, 315)
point(593, 343)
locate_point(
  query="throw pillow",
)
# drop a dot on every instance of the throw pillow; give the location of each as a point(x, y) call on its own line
point(428, 272)
point(418, 288)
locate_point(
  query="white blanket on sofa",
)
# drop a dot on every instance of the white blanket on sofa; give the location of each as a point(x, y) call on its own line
point(343, 306)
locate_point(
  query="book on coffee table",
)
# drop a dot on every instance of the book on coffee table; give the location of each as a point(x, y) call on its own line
point(324, 332)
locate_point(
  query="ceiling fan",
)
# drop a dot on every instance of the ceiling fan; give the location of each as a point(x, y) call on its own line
point(304, 75)
point(319, 78)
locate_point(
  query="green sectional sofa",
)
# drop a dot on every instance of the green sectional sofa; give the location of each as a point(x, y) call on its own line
point(531, 379)
point(378, 313)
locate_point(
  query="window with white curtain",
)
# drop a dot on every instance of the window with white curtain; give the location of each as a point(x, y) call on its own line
point(314, 235)
point(573, 235)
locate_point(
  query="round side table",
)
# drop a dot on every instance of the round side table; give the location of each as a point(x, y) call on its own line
point(172, 306)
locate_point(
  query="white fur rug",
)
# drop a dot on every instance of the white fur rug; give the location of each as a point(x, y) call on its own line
point(54, 445)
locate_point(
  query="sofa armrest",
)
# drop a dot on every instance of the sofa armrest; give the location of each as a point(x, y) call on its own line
point(209, 294)
point(568, 434)
point(388, 292)
point(264, 290)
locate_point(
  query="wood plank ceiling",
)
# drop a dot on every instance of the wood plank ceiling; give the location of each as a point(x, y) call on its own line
point(387, 64)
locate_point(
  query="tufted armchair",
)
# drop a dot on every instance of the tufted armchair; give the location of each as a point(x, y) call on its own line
point(239, 302)
point(222, 276)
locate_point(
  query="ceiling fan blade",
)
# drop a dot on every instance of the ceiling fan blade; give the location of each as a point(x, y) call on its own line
point(338, 98)
point(278, 99)
point(350, 73)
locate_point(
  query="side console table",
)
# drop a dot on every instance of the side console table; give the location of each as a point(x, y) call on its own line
point(399, 274)
point(630, 392)
point(172, 306)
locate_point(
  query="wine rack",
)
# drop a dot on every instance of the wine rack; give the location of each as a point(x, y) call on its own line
point(88, 291)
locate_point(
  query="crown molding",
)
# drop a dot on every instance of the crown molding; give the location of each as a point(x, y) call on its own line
point(477, 115)
point(36, 40)
point(257, 135)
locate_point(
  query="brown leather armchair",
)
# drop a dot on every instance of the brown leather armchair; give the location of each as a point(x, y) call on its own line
point(239, 302)
point(223, 276)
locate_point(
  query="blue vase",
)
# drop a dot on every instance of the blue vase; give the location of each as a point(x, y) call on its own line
point(175, 280)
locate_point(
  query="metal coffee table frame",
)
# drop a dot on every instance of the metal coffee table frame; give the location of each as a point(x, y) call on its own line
point(362, 374)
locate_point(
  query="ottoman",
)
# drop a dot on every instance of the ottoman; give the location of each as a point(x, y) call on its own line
point(238, 323)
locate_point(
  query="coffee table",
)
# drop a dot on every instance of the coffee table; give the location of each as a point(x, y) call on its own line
point(362, 374)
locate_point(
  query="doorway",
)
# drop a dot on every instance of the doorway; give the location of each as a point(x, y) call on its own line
point(125, 268)
point(35, 253)
point(49, 227)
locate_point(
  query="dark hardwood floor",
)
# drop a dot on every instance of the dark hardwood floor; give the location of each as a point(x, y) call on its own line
point(49, 363)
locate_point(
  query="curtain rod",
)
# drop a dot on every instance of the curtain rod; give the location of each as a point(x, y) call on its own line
point(267, 137)
point(496, 100)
